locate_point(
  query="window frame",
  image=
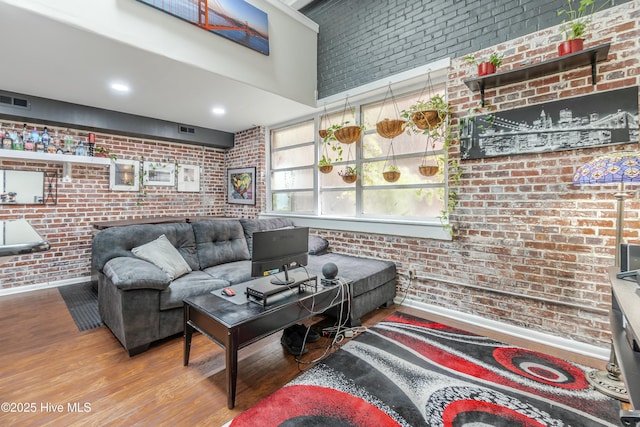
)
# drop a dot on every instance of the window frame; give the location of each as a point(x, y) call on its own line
point(430, 227)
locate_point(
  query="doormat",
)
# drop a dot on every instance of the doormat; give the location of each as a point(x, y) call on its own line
point(82, 302)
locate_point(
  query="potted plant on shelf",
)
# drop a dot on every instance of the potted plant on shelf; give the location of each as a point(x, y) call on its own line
point(574, 26)
point(104, 152)
point(349, 174)
point(424, 116)
point(486, 65)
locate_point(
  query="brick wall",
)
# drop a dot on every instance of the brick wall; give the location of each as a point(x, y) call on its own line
point(364, 41)
point(249, 151)
point(531, 249)
point(535, 247)
point(88, 199)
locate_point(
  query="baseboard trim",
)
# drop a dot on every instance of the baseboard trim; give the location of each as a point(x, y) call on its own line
point(515, 331)
point(40, 286)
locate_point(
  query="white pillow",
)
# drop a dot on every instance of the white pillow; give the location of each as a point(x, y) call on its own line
point(162, 254)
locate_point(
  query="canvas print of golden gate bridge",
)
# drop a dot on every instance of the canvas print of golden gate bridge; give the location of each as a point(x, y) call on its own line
point(599, 119)
point(235, 20)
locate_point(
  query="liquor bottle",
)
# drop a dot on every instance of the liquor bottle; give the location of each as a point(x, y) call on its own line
point(13, 135)
point(35, 135)
point(46, 139)
point(18, 143)
point(24, 137)
point(81, 150)
point(29, 145)
point(31, 140)
point(54, 144)
point(7, 142)
point(68, 143)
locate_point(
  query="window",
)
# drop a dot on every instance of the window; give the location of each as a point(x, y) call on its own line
point(299, 189)
point(292, 168)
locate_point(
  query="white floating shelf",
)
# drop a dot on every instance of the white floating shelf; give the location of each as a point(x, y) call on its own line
point(66, 160)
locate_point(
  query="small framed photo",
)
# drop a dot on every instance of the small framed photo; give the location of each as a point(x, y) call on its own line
point(241, 186)
point(124, 175)
point(188, 178)
point(159, 173)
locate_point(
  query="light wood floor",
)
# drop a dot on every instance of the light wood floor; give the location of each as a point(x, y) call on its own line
point(48, 368)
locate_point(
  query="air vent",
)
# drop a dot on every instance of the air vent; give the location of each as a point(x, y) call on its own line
point(14, 102)
point(186, 129)
point(17, 102)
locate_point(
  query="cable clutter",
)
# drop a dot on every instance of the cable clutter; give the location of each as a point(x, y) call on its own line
point(296, 337)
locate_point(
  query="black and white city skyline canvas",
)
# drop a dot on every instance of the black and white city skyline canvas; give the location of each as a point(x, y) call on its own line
point(600, 119)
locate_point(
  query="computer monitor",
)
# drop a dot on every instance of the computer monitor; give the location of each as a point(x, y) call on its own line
point(279, 250)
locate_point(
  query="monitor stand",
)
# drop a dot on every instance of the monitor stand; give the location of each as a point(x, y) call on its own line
point(287, 281)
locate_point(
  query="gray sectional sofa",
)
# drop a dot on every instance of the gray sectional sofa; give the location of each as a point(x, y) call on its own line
point(142, 303)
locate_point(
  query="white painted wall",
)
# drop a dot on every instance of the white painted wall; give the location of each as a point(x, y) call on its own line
point(289, 70)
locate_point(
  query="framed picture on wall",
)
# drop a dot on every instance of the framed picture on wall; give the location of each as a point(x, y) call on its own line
point(124, 175)
point(241, 186)
point(159, 173)
point(235, 20)
point(188, 178)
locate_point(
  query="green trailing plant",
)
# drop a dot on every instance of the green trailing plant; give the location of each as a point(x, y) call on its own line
point(437, 105)
point(485, 110)
point(494, 59)
point(335, 128)
point(454, 171)
point(576, 19)
point(349, 170)
point(324, 161)
point(453, 174)
point(142, 191)
point(349, 174)
point(448, 134)
point(104, 152)
point(329, 142)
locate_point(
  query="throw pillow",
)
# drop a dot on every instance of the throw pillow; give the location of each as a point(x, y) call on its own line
point(317, 245)
point(163, 255)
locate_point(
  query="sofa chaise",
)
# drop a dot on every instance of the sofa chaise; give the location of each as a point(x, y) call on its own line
point(142, 283)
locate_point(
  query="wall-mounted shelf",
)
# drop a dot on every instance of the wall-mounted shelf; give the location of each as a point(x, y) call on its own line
point(590, 56)
point(66, 160)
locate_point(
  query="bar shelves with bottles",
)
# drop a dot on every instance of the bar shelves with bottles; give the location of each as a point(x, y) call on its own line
point(41, 146)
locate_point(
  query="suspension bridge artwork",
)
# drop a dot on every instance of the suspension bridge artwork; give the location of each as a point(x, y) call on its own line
point(599, 119)
point(235, 20)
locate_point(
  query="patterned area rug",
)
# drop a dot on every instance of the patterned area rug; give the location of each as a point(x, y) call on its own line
point(82, 302)
point(407, 371)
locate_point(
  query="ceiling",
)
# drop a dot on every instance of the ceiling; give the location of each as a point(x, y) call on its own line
point(50, 59)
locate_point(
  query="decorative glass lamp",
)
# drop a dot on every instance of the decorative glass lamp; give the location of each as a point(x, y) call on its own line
point(617, 168)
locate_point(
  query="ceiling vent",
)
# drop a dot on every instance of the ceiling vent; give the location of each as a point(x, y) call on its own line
point(186, 129)
point(13, 101)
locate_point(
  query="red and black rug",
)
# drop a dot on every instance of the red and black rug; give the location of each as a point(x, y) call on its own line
point(407, 371)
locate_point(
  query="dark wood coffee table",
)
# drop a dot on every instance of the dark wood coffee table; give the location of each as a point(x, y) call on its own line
point(234, 326)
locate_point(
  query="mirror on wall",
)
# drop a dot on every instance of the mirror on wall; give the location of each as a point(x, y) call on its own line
point(22, 187)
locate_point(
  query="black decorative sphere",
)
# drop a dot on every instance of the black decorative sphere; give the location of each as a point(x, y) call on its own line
point(330, 270)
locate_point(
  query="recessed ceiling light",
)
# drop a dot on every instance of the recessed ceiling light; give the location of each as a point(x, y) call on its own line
point(120, 87)
point(218, 111)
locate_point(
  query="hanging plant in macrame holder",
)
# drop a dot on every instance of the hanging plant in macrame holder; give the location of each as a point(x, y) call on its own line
point(390, 128)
